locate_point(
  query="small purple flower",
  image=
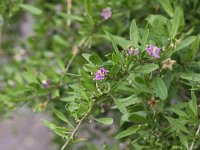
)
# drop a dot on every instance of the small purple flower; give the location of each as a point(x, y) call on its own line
point(100, 74)
point(153, 51)
point(136, 52)
point(130, 51)
point(46, 83)
point(106, 13)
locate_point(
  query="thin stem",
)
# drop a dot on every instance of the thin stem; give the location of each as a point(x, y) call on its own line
point(69, 7)
point(74, 132)
point(69, 63)
point(197, 132)
point(1, 26)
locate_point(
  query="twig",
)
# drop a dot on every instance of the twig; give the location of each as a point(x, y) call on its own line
point(69, 63)
point(1, 26)
point(69, 7)
point(74, 132)
point(197, 132)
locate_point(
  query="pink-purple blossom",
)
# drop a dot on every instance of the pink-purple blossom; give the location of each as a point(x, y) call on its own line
point(106, 13)
point(153, 51)
point(100, 74)
point(46, 83)
point(136, 51)
point(131, 51)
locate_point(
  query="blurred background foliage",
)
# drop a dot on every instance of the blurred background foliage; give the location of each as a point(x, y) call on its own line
point(39, 39)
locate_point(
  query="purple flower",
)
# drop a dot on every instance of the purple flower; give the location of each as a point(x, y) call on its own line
point(130, 51)
point(46, 83)
point(136, 52)
point(100, 74)
point(153, 51)
point(106, 13)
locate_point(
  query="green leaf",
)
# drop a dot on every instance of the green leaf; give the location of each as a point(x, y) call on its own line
point(185, 43)
point(30, 76)
point(146, 69)
point(177, 124)
point(49, 125)
point(90, 68)
point(175, 22)
point(118, 40)
point(193, 104)
point(145, 37)
point(167, 7)
point(160, 88)
point(87, 81)
point(86, 56)
point(110, 37)
point(180, 113)
point(61, 116)
point(191, 76)
point(60, 131)
point(156, 21)
point(61, 64)
point(33, 10)
point(106, 121)
point(88, 10)
point(88, 6)
point(142, 87)
point(129, 131)
point(184, 140)
point(119, 105)
point(134, 33)
point(122, 42)
point(95, 59)
point(138, 117)
point(60, 40)
point(131, 100)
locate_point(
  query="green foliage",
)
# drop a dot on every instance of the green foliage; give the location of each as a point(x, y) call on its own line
point(152, 100)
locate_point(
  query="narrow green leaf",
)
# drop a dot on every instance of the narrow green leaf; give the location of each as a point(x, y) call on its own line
point(185, 43)
point(167, 7)
point(175, 22)
point(134, 33)
point(88, 10)
point(60, 131)
point(61, 116)
point(95, 59)
point(180, 113)
point(131, 100)
point(118, 40)
point(191, 76)
point(30, 76)
point(146, 69)
point(110, 37)
point(145, 37)
point(184, 140)
point(177, 124)
point(60, 40)
point(119, 105)
point(61, 64)
point(106, 121)
point(160, 88)
point(122, 42)
point(117, 54)
point(138, 117)
point(33, 10)
point(86, 56)
point(49, 125)
point(193, 104)
point(129, 131)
